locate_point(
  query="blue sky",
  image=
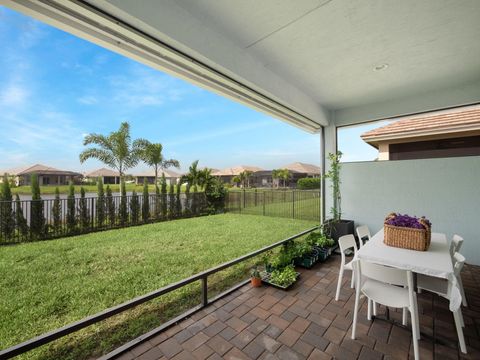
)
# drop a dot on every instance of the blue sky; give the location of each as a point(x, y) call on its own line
point(55, 88)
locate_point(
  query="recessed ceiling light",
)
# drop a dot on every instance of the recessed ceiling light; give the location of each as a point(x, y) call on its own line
point(380, 67)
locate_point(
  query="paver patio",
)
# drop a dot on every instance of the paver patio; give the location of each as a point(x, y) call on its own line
point(307, 323)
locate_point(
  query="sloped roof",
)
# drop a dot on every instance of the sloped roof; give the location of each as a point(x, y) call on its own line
point(103, 172)
point(236, 170)
point(303, 168)
point(41, 169)
point(435, 123)
point(168, 174)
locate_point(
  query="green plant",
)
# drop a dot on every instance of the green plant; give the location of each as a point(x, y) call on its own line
point(100, 205)
point(123, 209)
point(284, 277)
point(334, 175)
point(254, 273)
point(151, 154)
point(171, 201)
point(320, 239)
point(57, 212)
point(83, 211)
point(134, 208)
point(20, 220)
point(37, 218)
point(283, 258)
point(163, 184)
point(7, 221)
point(308, 184)
point(110, 206)
point(71, 218)
point(215, 194)
point(145, 202)
point(178, 201)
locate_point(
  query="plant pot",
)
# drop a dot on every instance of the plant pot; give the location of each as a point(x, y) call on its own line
point(256, 282)
point(268, 268)
point(336, 229)
point(306, 261)
point(323, 254)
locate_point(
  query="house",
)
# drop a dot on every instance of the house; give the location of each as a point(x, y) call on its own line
point(227, 174)
point(448, 133)
point(108, 176)
point(170, 176)
point(46, 175)
point(297, 170)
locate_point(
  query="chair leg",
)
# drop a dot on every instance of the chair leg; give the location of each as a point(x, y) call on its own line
point(458, 325)
point(339, 284)
point(414, 332)
point(404, 316)
point(353, 280)
point(374, 308)
point(369, 309)
point(355, 312)
point(416, 316)
point(462, 291)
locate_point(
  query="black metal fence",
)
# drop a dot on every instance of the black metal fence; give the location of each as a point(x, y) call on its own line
point(30, 220)
point(295, 204)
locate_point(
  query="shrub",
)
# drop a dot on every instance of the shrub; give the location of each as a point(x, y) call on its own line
point(110, 206)
point(215, 194)
point(145, 202)
point(100, 205)
point(134, 208)
point(178, 201)
point(20, 221)
point(187, 210)
point(83, 211)
point(158, 203)
point(71, 218)
point(37, 218)
point(57, 213)
point(308, 184)
point(171, 201)
point(7, 220)
point(163, 185)
point(123, 211)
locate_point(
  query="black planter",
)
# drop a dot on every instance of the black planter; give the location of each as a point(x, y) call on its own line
point(336, 229)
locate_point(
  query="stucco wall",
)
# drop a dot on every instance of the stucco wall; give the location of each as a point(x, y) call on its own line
point(446, 190)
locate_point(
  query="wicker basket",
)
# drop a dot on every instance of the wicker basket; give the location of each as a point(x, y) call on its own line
point(407, 238)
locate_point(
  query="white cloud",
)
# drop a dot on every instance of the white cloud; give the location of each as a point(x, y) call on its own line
point(13, 95)
point(88, 100)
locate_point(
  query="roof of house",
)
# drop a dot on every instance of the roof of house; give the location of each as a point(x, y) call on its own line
point(303, 168)
point(168, 174)
point(434, 123)
point(103, 172)
point(40, 169)
point(236, 170)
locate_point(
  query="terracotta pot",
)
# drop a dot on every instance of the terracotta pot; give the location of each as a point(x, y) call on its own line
point(256, 282)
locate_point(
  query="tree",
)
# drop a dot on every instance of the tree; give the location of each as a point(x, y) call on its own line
point(245, 177)
point(276, 176)
point(153, 157)
point(20, 221)
point(171, 201)
point(123, 210)
point(115, 150)
point(236, 180)
point(83, 211)
point(285, 175)
point(145, 202)
point(71, 217)
point(215, 194)
point(57, 212)
point(163, 185)
point(134, 208)
point(194, 176)
point(100, 205)
point(110, 206)
point(178, 201)
point(37, 218)
point(7, 220)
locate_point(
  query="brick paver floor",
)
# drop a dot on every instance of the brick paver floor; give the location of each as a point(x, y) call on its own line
point(307, 323)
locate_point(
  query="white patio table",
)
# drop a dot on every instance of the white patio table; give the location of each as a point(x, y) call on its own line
point(436, 261)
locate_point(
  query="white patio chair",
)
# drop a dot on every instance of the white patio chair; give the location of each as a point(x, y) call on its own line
point(440, 287)
point(345, 242)
point(455, 246)
point(363, 234)
point(387, 286)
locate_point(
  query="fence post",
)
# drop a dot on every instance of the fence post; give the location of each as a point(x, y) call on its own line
point(264, 192)
point(293, 204)
point(92, 211)
point(204, 291)
point(255, 197)
point(244, 198)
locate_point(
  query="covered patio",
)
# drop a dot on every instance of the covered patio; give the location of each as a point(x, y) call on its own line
point(307, 323)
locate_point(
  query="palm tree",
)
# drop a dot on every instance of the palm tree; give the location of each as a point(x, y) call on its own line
point(275, 175)
point(115, 150)
point(236, 180)
point(153, 157)
point(194, 176)
point(285, 175)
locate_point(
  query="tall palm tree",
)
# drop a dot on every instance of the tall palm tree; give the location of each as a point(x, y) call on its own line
point(275, 176)
point(194, 176)
point(116, 150)
point(285, 175)
point(153, 157)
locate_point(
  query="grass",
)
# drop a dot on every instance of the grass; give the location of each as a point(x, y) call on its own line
point(49, 284)
point(50, 189)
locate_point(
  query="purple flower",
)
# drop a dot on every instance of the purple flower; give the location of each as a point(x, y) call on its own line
point(409, 221)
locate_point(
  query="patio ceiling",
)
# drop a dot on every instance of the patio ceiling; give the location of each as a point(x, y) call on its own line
point(307, 62)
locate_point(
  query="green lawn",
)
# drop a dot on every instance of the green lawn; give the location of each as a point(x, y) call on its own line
point(50, 189)
point(48, 284)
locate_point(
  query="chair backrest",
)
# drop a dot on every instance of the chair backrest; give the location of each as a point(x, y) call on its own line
point(385, 274)
point(456, 244)
point(459, 261)
point(363, 233)
point(347, 242)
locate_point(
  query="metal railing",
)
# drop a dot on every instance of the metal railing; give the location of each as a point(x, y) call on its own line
point(202, 277)
point(31, 220)
point(295, 204)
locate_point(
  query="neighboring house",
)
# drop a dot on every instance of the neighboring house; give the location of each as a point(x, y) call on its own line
point(170, 176)
point(226, 175)
point(108, 176)
point(448, 133)
point(46, 175)
point(297, 170)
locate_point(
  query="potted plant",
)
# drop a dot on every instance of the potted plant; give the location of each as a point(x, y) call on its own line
point(266, 259)
point(336, 226)
point(322, 243)
point(255, 278)
point(283, 278)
